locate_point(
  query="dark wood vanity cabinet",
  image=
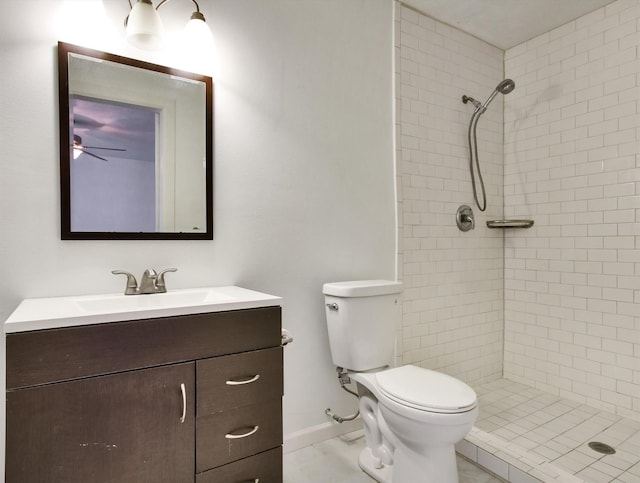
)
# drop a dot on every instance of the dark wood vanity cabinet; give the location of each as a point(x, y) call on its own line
point(176, 399)
point(124, 427)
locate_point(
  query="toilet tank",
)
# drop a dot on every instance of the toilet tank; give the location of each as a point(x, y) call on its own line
point(361, 320)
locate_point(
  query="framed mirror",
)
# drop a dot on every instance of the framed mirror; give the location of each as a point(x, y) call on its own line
point(136, 149)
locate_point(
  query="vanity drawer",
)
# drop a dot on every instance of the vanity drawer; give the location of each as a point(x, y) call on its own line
point(238, 380)
point(231, 435)
point(264, 467)
point(53, 355)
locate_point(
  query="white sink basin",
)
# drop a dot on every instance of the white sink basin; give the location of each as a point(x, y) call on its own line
point(110, 303)
point(47, 313)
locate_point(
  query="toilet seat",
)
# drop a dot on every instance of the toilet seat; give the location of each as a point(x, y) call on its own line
point(425, 390)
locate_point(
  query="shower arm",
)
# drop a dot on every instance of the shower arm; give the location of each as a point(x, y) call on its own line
point(476, 104)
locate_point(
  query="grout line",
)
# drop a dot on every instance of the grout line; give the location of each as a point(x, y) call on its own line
point(509, 459)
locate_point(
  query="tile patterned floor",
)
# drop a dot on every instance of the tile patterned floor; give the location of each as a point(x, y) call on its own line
point(545, 437)
point(336, 461)
point(522, 435)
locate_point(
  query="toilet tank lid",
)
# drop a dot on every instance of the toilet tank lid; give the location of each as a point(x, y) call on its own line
point(362, 288)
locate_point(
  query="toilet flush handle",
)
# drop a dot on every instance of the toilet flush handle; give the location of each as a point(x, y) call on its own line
point(333, 306)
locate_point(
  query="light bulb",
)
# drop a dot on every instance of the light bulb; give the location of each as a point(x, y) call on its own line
point(144, 27)
point(197, 33)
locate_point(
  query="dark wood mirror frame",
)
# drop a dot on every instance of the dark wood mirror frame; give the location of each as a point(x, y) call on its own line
point(64, 50)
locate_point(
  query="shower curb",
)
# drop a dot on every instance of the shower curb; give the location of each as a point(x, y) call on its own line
point(509, 461)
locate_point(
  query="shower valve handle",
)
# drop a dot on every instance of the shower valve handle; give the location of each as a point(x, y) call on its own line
point(465, 219)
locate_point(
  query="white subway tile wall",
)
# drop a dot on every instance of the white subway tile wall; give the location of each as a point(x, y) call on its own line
point(453, 281)
point(568, 159)
point(572, 164)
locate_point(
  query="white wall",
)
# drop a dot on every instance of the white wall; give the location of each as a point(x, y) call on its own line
point(453, 296)
point(572, 282)
point(303, 166)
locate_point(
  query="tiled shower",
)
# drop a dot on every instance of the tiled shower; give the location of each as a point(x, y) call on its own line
point(555, 307)
point(572, 163)
point(453, 281)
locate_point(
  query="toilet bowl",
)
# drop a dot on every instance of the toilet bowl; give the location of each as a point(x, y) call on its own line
point(420, 416)
point(412, 417)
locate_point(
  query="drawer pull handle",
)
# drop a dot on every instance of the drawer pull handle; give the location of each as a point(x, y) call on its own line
point(246, 381)
point(238, 436)
point(183, 390)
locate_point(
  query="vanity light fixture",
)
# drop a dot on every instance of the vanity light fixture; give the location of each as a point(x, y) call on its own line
point(144, 29)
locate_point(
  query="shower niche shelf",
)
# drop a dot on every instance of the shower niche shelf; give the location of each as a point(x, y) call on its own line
point(510, 223)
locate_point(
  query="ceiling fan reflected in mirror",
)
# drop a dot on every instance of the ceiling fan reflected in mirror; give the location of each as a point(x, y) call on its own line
point(79, 148)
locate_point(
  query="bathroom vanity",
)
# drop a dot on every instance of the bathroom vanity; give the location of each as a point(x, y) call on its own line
point(157, 389)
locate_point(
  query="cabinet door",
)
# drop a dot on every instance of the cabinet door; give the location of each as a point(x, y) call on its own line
point(124, 428)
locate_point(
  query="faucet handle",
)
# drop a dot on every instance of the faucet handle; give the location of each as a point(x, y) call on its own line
point(132, 283)
point(160, 285)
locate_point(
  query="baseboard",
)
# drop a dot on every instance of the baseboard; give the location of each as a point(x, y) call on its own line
point(318, 433)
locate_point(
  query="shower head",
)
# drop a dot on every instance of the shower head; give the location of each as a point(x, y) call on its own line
point(504, 87)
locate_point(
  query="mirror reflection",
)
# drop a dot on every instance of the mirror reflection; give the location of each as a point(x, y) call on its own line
point(136, 154)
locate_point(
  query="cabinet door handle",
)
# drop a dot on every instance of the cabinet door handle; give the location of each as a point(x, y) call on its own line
point(238, 436)
point(246, 381)
point(183, 390)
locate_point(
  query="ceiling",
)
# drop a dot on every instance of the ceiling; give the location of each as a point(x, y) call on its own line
point(506, 23)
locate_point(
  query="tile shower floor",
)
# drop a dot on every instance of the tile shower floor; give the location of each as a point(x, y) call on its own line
point(525, 435)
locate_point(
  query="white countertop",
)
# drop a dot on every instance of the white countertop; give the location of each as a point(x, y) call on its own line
point(55, 312)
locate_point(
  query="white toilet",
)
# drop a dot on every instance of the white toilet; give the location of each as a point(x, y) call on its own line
point(412, 416)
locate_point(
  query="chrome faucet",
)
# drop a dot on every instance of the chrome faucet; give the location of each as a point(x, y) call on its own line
point(148, 282)
point(151, 282)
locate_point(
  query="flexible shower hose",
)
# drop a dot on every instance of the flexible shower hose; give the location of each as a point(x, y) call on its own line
point(473, 155)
